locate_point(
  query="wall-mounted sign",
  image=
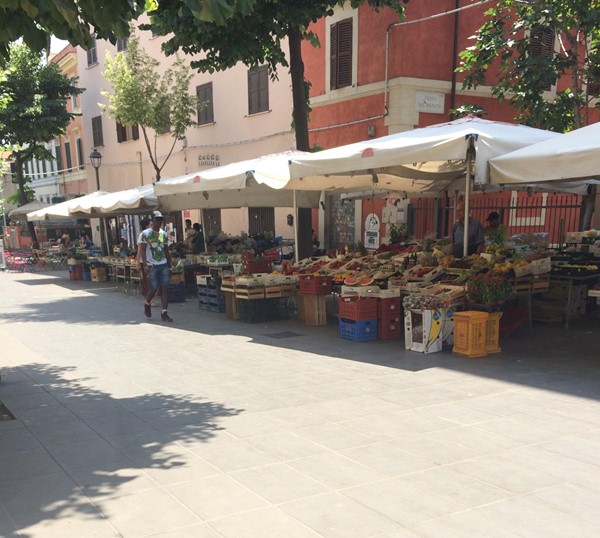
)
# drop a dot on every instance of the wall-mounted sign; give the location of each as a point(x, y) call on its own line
point(209, 159)
point(430, 102)
point(372, 231)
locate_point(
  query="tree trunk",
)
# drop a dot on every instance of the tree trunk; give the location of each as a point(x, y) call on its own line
point(300, 116)
point(299, 97)
point(23, 198)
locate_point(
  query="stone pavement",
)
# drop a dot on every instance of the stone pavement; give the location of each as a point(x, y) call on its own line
point(216, 428)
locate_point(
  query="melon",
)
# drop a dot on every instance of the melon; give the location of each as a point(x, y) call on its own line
point(365, 281)
point(351, 281)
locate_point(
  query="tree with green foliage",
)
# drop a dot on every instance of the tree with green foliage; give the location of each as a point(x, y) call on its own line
point(255, 39)
point(534, 44)
point(34, 113)
point(76, 20)
point(140, 96)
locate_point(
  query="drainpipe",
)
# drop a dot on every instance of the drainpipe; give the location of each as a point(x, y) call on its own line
point(139, 156)
point(454, 57)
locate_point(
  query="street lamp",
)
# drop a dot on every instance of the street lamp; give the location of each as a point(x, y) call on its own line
point(96, 160)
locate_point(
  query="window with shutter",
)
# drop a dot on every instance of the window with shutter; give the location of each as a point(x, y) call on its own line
point(261, 220)
point(593, 89)
point(79, 152)
point(68, 156)
point(59, 165)
point(204, 93)
point(92, 53)
point(258, 90)
point(542, 45)
point(97, 134)
point(340, 48)
point(127, 132)
point(121, 44)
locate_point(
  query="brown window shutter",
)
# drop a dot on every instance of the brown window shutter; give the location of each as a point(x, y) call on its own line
point(345, 53)
point(341, 54)
point(135, 131)
point(333, 56)
point(252, 92)
point(120, 133)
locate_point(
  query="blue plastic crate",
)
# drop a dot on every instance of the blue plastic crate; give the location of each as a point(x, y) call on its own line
point(359, 331)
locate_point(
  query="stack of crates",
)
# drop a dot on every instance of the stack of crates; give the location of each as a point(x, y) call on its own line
point(389, 315)
point(210, 296)
point(358, 318)
point(471, 334)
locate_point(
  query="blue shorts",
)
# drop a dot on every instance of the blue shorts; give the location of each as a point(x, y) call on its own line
point(159, 276)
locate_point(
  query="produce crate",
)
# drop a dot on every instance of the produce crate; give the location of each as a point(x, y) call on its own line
point(272, 292)
point(492, 342)
point(251, 267)
point(513, 318)
point(316, 284)
point(521, 285)
point(470, 334)
point(311, 308)
point(540, 283)
point(541, 266)
point(262, 310)
point(389, 308)
point(177, 293)
point(389, 328)
point(288, 290)
point(231, 306)
point(176, 278)
point(359, 331)
point(249, 293)
point(357, 308)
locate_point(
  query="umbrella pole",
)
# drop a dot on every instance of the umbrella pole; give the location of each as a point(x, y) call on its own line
point(296, 253)
point(469, 161)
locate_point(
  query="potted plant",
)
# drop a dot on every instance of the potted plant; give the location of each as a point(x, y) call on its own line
point(398, 233)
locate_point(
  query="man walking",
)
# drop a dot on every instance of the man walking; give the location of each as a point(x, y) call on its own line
point(155, 254)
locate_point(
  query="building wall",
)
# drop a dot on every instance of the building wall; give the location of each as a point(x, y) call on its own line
point(400, 68)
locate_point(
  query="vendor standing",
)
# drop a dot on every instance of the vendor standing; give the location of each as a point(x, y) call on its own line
point(495, 231)
point(476, 239)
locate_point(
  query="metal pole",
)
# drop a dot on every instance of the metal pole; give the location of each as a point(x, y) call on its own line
point(469, 161)
point(296, 253)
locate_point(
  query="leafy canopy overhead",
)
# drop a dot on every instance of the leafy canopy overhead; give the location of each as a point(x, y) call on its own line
point(534, 44)
point(253, 38)
point(76, 20)
point(140, 96)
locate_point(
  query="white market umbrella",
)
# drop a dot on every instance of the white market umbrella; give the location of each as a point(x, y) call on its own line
point(568, 158)
point(137, 200)
point(63, 210)
point(251, 183)
point(421, 161)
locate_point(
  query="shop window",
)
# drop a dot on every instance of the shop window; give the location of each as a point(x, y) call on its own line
point(258, 90)
point(127, 132)
point(97, 134)
point(204, 93)
point(261, 220)
point(340, 59)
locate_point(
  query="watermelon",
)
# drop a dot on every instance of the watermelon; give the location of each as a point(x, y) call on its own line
point(365, 281)
point(351, 281)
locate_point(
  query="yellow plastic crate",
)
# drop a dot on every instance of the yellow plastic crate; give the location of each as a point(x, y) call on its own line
point(470, 334)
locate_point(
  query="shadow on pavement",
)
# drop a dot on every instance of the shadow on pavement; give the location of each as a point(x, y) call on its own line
point(102, 443)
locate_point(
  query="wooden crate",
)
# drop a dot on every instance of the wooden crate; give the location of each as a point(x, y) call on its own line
point(288, 290)
point(314, 309)
point(249, 293)
point(521, 285)
point(540, 283)
point(272, 292)
point(232, 310)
